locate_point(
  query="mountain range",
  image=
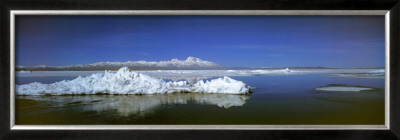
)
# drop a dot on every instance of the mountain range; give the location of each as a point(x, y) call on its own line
point(191, 63)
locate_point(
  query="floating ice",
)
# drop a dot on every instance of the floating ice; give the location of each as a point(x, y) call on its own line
point(221, 85)
point(343, 89)
point(360, 75)
point(23, 71)
point(377, 71)
point(125, 81)
point(268, 72)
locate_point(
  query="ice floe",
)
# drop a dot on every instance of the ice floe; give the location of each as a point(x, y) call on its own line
point(125, 81)
point(345, 88)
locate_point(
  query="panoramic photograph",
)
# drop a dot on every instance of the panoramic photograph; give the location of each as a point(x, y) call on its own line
point(199, 70)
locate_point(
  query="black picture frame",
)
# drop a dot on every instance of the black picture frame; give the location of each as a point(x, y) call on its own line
point(392, 5)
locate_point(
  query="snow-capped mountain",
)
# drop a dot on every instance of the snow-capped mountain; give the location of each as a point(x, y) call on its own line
point(189, 63)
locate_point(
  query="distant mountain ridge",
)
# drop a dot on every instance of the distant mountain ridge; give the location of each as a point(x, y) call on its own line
point(191, 63)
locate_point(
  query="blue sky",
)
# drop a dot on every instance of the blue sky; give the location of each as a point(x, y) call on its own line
point(235, 41)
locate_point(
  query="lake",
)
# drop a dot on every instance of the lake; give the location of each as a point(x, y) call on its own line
point(275, 99)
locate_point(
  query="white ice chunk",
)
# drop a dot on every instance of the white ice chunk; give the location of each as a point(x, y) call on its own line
point(125, 81)
point(343, 89)
point(221, 85)
point(273, 72)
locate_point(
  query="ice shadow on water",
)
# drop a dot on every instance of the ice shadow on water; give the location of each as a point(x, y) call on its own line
point(126, 105)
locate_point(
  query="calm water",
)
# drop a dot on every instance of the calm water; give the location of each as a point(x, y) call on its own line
point(275, 100)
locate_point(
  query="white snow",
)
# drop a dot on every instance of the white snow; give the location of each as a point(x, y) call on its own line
point(360, 75)
point(377, 71)
point(55, 73)
point(189, 63)
point(23, 71)
point(125, 81)
point(343, 88)
point(221, 85)
point(273, 72)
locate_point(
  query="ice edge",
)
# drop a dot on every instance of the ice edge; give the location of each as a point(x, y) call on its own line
point(125, 81)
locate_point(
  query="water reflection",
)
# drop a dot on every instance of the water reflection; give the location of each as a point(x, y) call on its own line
point(137, 104)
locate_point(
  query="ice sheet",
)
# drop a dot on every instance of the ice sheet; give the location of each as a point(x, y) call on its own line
point(343, 89)
point(125, 81)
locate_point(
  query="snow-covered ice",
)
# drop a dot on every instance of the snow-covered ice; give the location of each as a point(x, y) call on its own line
point(343, 89)
point(23, 71)
point(273, 72)
point(125, 81)
point(221, 85)
point(360, 75)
